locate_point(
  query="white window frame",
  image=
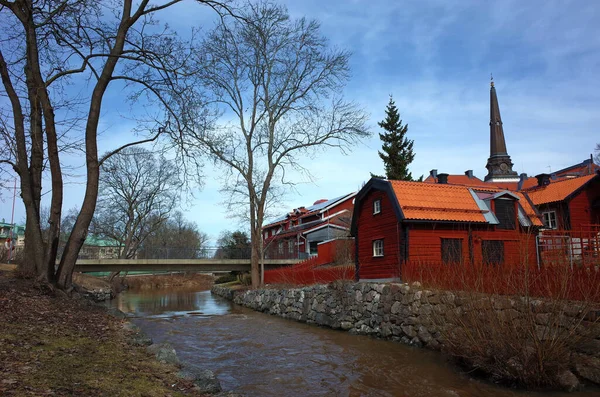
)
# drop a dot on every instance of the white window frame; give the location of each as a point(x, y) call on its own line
point(291, 246)
point(378, 248)
point(548, 222)
point(377, 206)
point(280, 247)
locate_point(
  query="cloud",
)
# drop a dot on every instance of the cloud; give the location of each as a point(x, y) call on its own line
point(435, 57)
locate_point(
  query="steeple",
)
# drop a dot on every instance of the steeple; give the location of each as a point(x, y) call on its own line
point(499, 165)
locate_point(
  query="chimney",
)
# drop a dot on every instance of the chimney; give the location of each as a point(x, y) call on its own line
point(442, 178)
point(433, 174)
point(469, 173)
point(543, 179)
point(522, 179)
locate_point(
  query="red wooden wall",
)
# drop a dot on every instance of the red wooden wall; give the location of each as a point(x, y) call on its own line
point(374, 227)
point(580, 206)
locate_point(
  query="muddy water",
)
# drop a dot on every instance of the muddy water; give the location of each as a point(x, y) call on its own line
point(261, 355)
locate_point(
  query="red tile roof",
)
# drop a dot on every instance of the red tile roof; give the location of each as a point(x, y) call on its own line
point(557, 190)
point(437, 202)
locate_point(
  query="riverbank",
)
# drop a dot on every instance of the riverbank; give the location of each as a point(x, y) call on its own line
point(174, 280)
point(53, 345)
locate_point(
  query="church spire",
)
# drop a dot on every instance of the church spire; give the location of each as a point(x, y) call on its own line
point(499, 164)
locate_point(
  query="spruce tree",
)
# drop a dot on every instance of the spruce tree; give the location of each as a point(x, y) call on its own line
point(397, 149)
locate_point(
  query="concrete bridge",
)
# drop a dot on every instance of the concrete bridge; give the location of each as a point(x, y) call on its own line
point(175, 265)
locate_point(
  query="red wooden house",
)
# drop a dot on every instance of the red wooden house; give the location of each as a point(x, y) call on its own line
point(395, 222)
point(570, 208)
point(567, 204)
point(298, 233)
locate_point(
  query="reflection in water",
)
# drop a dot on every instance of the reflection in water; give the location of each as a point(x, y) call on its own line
point(168, 303)
point(261, 355)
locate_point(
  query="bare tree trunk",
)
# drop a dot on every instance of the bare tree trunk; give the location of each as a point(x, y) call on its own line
point(82, 224)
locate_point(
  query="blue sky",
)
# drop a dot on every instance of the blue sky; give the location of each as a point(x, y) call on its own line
point(435, 58)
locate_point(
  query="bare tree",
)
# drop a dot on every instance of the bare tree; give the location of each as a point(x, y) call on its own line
point(177, 238)
point(278, 82)
point(48, 45)
point(138, 191)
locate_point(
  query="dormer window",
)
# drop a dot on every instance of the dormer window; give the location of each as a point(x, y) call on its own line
point(550, 219)
point(376, 207)
point(506, 214)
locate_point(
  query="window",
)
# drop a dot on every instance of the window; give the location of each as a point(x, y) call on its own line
point(550, 219)
point(506, 214)
point(493, 252)
point(451, 250)
point(291, 246)
point(377, 247)
point(266, 235)
point(280, 247)
point(376, 207)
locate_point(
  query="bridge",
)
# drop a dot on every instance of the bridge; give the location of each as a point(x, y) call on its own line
point(175, 265)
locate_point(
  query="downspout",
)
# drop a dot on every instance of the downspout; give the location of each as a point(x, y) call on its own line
point(356, 266)
point(470, 243)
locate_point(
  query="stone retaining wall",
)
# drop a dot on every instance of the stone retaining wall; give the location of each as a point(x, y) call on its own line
point(409, 313)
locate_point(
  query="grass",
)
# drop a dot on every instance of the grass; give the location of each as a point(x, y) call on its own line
point(51, 345)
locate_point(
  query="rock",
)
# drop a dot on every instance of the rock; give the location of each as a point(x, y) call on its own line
point(113, 311)
point(568, 381)
point(345, 325)
point(204, 380)
point(587, 367)
point(424, 335)
point(416, 284)
point(165, 353)
point(409, 330)
point(140, 339)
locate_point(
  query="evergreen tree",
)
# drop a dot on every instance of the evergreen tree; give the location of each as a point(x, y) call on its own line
point(397, 149)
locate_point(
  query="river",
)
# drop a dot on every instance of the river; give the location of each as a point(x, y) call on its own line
point(261, 355)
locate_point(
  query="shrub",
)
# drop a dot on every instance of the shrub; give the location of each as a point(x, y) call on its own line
point(228, 278)
point(519, 325)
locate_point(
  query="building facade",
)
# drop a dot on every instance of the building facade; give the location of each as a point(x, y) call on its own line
point(298, 233)
point(398, 221)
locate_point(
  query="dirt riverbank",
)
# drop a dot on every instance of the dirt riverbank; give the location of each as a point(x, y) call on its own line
point(51, 345)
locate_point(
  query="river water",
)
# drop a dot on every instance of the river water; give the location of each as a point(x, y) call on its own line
point(261, 355)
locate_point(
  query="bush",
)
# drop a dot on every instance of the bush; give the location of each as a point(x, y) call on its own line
point(228, 278)
point(500, 328)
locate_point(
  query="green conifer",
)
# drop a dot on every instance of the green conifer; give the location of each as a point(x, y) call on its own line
point(397, 149)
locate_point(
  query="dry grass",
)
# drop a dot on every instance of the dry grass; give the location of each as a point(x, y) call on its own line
point(51, 345)
point(185, 280)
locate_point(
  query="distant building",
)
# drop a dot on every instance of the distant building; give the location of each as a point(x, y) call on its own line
point(99, 248)
point(16, 231)
point(298, 233)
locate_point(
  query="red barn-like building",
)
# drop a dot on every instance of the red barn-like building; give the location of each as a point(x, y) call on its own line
point(396, 221)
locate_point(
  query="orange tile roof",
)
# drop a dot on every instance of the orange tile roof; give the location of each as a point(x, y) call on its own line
point(558, 190)
point(428, 201)
point(530, 211)
point(459, 180)
point(512, 186)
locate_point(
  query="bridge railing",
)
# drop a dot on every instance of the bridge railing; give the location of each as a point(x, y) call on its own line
point(95, 252)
